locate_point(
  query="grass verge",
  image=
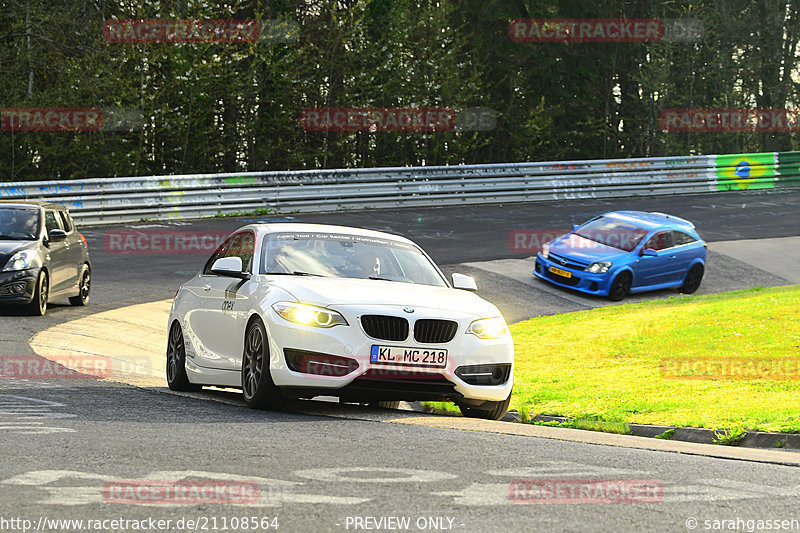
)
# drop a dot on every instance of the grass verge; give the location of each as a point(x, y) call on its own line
point(668, 362)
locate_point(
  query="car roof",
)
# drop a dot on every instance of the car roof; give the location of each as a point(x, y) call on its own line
point(650, 220)
point(297, 227)
point(30, 203)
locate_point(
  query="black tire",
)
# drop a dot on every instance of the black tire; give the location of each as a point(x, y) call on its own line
point(84, 287)
point(692, 280)
point(176, 362)
point(487, 411)
point(258, 389)
point(384, 405)
point(38, 305)
point(620, 287)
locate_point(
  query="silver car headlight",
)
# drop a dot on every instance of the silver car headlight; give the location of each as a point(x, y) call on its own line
point(22, 260)
point(309, 315)
point(488, 328)
point(599, 267)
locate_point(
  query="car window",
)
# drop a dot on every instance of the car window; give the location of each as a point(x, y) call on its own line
point(660, 241)
point(611, 232)
point(241, 245)
point(51, 222)
point(66, 221)
point(219, 252)
point(19, 223)
point(680, 238)
point(347, 256)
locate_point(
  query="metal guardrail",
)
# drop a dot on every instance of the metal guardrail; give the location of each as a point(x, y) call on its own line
point(117, 200)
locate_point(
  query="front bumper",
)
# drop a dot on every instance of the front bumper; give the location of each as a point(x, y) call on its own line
point(18, 287)
point(580, 280)
point(348, 372)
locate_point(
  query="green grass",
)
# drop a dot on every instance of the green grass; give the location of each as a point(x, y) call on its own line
point(605, 364)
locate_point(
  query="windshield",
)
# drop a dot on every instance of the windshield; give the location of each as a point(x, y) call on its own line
point(19, 224)
point(347, 256)
point(613, 233)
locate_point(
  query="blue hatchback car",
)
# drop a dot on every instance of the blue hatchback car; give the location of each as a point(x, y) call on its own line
point(625, 252)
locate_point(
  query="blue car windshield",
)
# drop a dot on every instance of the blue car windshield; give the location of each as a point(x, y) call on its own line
point(612, 232)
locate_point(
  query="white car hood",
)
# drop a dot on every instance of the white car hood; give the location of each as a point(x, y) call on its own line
point(358, 292)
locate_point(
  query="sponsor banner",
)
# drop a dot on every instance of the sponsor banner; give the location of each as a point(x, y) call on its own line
point(745, 171)
point(55, 367)
point(373, 119)
point(586, 491)
point(585, 30)
point(729, 368)
point(729, 120)
point(162, 241)
point(185, 492)
point(181, 31)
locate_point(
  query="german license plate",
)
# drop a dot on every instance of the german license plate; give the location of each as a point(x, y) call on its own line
point(565, 273)
point(399, 355)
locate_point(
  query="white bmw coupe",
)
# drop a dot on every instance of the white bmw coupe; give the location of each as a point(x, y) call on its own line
point(302, 310)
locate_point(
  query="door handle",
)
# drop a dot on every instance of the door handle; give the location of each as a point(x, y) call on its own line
point(206, 288)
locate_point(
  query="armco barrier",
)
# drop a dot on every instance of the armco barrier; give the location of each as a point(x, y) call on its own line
point(115, 200)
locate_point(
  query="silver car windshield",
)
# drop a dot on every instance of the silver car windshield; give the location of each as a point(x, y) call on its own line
point(347, 256)
point(19, 224)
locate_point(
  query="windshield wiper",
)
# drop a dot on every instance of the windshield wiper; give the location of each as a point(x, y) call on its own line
point(10, 238)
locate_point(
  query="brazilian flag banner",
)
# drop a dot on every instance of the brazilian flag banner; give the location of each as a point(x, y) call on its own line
point(789, 169)
point(737, 172)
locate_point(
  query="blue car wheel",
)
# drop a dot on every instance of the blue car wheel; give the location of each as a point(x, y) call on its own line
point(621, 286)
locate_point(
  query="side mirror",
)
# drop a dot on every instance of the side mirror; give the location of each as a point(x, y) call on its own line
point(649, 252)
point(466, 283)
point(56, 235)
point(229, 266)
point(575, 226)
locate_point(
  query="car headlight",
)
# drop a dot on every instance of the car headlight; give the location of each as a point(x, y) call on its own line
point(545, 250)
point(21, 260)
point(309, 315)
point(599, 267)
point(488, 328)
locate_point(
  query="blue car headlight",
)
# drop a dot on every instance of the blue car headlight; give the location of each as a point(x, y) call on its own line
point(546, 250)
point(599, 267)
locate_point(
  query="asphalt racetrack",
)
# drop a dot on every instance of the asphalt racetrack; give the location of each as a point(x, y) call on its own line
point(325, 467)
